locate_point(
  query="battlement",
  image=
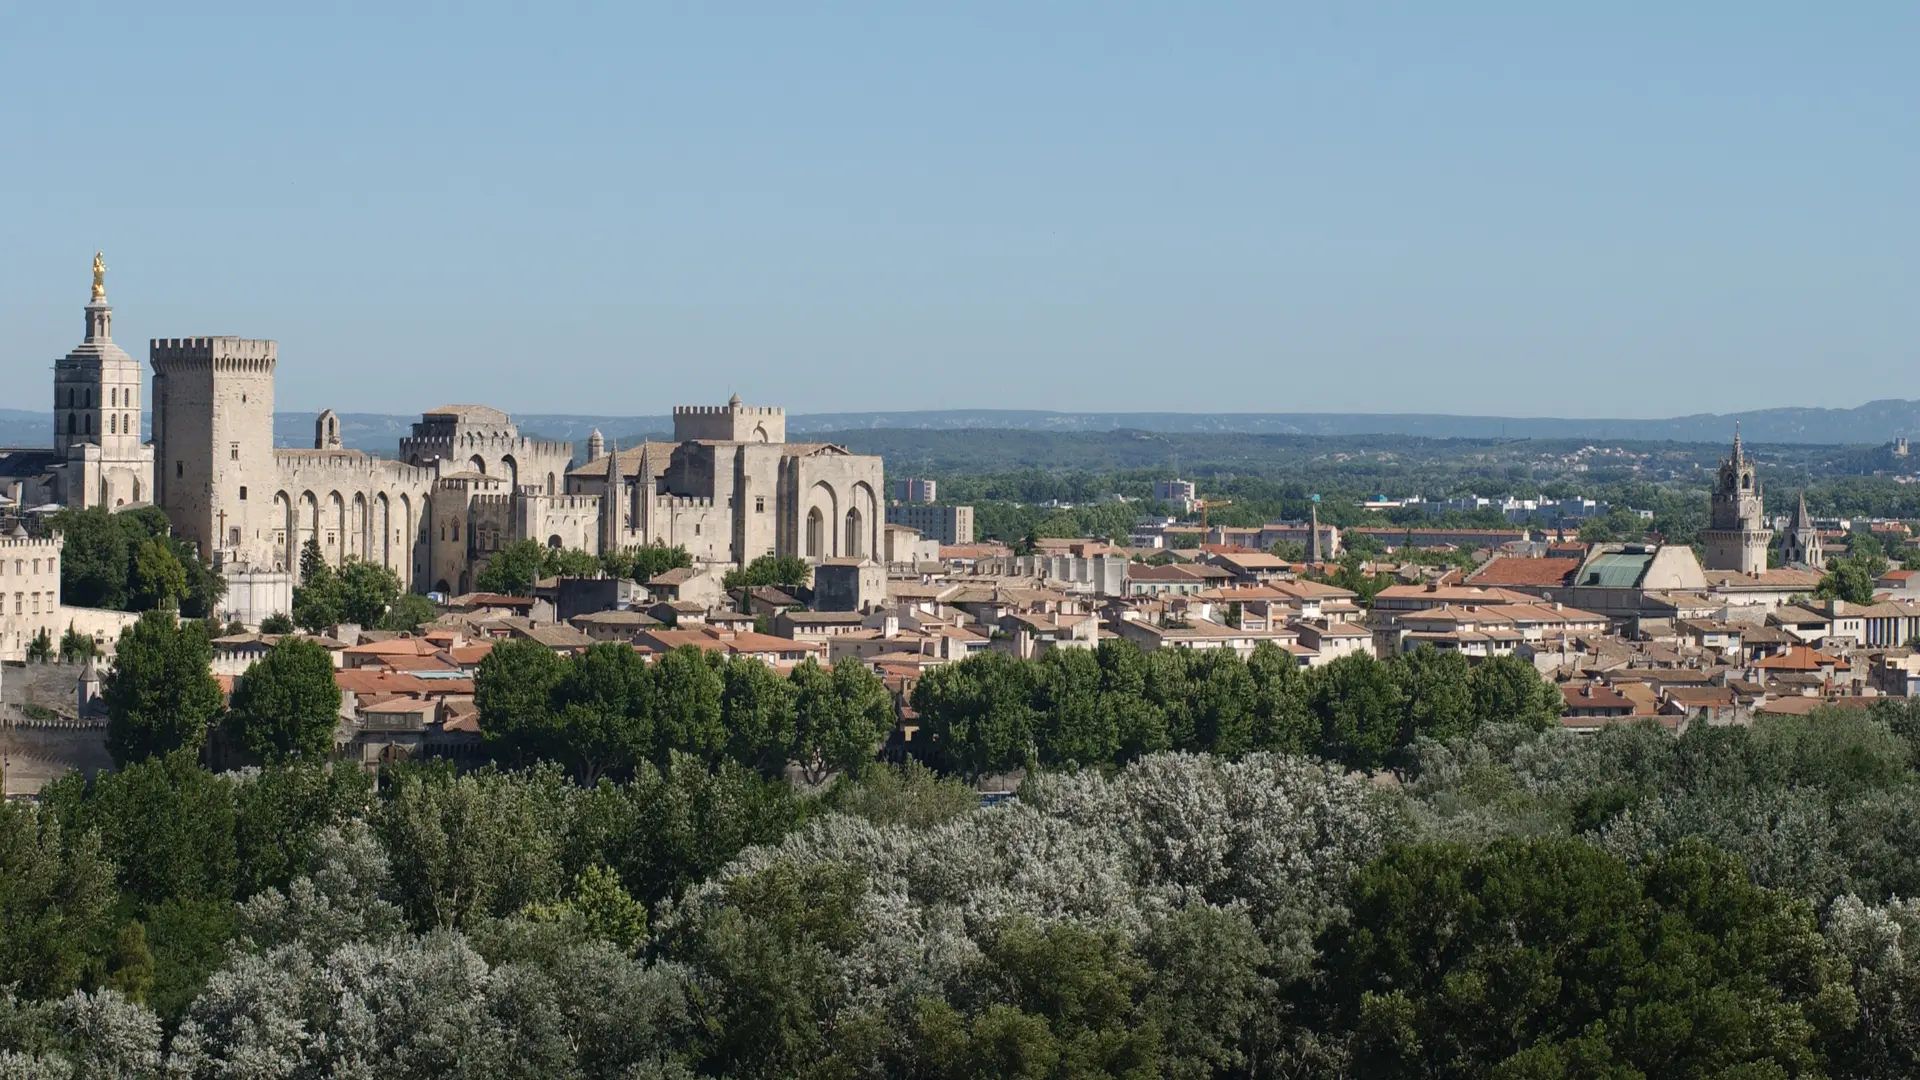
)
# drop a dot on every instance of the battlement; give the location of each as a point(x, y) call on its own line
point(732, 422)
point(484, 440)
point(491, 500)
point(385, 470)
point(687, 502)
point(728, 410)
point(570, 502)
point(462, 483)
point(213, 353)
point(32, 543)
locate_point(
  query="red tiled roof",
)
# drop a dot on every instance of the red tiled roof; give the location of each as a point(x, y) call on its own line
point(1802, 658)
point(1507, 570)
point(403, 646)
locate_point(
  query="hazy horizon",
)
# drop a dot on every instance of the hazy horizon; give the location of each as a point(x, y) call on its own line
point(1637, 214)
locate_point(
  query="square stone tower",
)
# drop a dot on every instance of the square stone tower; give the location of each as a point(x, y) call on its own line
point(1737, 537)
point(732, 422)
point(213, 443)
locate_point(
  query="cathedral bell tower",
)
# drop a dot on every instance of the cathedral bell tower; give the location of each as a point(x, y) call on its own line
point(1737, 536)
point(96, 387)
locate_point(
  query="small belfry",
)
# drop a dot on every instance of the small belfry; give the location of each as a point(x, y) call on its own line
point(1800, 544)
point(1737, 536)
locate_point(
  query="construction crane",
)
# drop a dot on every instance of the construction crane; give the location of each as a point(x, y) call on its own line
point(1205, 505)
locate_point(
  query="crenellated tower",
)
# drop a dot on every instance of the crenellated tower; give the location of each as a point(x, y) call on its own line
point(214, 468)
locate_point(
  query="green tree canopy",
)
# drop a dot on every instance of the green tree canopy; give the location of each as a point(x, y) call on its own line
point(569, 562)
point(161, 693)
point(1552, 958)
point(839, 719)
point(785, 570)
point(76, 646)
point(288, 705)
point(646, 561)
point(1509, 690)
point(513, 688)
point(56, 900)
point(167, 824)
point(512, 570)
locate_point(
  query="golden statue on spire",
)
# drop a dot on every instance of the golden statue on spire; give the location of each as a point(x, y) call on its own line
point(99, 277)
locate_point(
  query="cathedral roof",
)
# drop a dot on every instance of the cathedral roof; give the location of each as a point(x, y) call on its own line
point(629, 457)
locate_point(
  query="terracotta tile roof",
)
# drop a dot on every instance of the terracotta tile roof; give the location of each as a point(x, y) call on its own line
point(1508, 570)
point(470, 654)
point(418, 663)
point(1802, 658)
point(1594, 696)
point(1778, 578)
point(1454, 594)
point(394, 647)
point(1803, 704)
point(364, 682)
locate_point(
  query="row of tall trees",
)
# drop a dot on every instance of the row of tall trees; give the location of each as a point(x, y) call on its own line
point(513, 569)
point(992, 713)
point(606, 709)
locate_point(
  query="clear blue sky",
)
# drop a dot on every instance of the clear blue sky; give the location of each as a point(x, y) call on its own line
point(1644, 209)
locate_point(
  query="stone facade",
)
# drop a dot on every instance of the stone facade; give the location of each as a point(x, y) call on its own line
point(1737, 536)
point(730, 489)
point(98, 457)
point(30, 600)
point(29, 592)
point(466, 484)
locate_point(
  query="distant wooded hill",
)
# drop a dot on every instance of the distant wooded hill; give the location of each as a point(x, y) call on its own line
point(1873, 423)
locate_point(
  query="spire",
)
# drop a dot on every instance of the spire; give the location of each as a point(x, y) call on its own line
point(1739, 454)
point(595, 445)
point(733, 402)
point(99, 312)
point(613, 506)
point(1802, 519)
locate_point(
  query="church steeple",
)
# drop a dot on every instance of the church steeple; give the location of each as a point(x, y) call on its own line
point(1801, 545)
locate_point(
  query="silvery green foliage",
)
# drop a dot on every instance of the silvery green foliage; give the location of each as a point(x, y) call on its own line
point(1270, 835)
point(1785, 836)
point(476, 845)
point(19, 1065)
point(1882, 945)
point(82, 1035)
point(411, 1008)
point(115, 1038)
point(343, 900)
